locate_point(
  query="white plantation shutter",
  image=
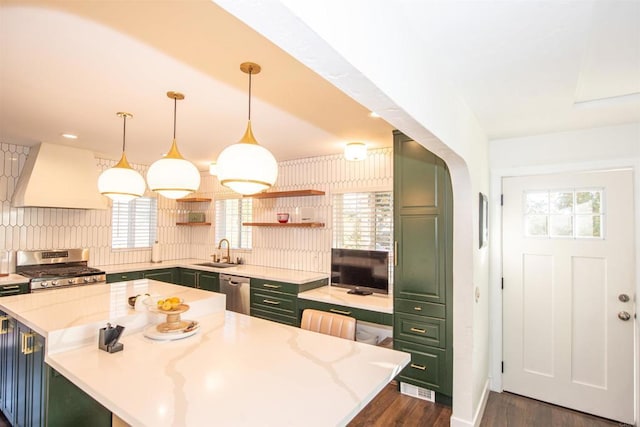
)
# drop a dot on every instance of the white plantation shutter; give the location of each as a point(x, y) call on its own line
point(230, 214)
point(363, 221)
point(133, 224)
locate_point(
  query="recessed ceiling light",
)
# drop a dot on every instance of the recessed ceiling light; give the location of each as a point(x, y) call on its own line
point(70, 136)
point(374, 115)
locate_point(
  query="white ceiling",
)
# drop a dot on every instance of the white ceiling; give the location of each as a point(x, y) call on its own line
point(522, 67)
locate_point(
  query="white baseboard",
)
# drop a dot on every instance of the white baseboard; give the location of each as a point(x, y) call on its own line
point(477, 417)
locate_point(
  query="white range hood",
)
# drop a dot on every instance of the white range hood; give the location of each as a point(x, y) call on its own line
point(57, 176)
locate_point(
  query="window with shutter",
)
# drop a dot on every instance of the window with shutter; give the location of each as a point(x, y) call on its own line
point(134, 223)
point(363, 221)
point(230, 214)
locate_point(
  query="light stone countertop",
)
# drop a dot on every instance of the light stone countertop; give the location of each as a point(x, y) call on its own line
point(13, 279)
point(298, 277)
point(336, 295)
point(236, 370)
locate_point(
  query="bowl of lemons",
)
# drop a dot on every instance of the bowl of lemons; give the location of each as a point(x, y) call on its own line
point(167, 305)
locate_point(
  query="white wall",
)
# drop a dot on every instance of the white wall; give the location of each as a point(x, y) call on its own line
point(376, 61)
point(580, 150)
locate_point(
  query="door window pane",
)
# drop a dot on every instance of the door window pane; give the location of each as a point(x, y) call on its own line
point(588, 202)
point(589, 226)
point(537, 202)
point(562, 202)
point(561, 226)
point(536, 226)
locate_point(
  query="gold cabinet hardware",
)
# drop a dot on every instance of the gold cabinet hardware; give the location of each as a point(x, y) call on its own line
point(421, 367)
point(268, 285)
point(27, 342)
point(335, 310)
point(268, 301)
point(395, 253)
point(8, 288)
point(420, 331)
point(417, 308)
point(4, 329)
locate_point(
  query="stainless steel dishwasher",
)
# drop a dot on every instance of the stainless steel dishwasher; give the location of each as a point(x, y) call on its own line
point(236, 288)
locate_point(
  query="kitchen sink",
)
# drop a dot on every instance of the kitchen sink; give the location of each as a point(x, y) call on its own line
point(216, 264)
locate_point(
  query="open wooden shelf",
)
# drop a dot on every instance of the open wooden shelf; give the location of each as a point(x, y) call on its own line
point(295, 193)
point(286, 224)
point(193, 224)
point(194, 199)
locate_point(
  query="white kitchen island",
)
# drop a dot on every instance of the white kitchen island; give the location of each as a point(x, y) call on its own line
point(237, 370)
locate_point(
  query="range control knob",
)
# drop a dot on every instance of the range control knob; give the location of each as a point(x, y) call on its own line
point(87, 280)
point(70, 281)
point(54, 283)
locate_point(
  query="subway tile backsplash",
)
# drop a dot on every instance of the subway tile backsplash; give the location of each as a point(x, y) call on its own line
point(293, 248)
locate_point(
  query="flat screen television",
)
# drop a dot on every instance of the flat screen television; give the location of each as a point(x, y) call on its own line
point(363, 271)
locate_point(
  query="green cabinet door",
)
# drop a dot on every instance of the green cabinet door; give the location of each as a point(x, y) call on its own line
point(209, 281)
point(8, 358)
point(165, 275)
point(188, 277)
point(30, 378)
point(67, 405)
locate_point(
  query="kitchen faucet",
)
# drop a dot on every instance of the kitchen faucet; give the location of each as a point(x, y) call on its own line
point(228, 257)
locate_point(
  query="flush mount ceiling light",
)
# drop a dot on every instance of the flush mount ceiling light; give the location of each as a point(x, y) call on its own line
point(246, 167)
point(355, 151)
point(69, 136)
point(121, 182)
point(172, 176)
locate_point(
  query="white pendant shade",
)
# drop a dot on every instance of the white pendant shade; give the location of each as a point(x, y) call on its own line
point(173, 177)
point(246, 167)
point(121, 182)
point(355, 151)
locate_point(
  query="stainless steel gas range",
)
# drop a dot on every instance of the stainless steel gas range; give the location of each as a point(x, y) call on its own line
point(57, 268)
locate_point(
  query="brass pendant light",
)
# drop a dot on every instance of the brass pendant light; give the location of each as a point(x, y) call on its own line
point(122, 182)
point(246, 167)
point(172, 176)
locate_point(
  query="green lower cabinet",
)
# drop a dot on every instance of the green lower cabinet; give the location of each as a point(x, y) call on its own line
point(67, 405)
point(123, 277)
point(359, 313)
point(30, 379)
point(15, 289)
point(206, 280)
point(188, 277)
point(209, 281)
point(165, 275)
point(278, 301)
point(429, 368)
point(8, 366)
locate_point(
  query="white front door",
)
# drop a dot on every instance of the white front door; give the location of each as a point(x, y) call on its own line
point(568, 267)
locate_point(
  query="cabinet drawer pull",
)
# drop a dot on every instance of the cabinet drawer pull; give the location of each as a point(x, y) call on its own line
point(395, 253)
point(421, 367)
point(335, 310)
point(7, 288)
point(3, 329)
point(268, 285)
point(268, 301)
point(420, 331)
point(11, 292)
point(417, 308)
point(27, 342)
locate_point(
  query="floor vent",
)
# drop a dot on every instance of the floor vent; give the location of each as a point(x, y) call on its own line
point(419, 392)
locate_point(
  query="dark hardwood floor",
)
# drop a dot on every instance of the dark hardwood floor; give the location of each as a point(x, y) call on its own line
point(390, 408)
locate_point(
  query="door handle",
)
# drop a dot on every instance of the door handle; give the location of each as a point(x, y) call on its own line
point(623, 297)
point(623, 315)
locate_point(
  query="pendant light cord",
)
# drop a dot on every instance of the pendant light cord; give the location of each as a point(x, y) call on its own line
point(124, 131)
point(250, 70)
point(175, 107)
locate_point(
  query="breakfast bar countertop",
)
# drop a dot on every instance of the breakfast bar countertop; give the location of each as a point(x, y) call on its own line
point(236, 370)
